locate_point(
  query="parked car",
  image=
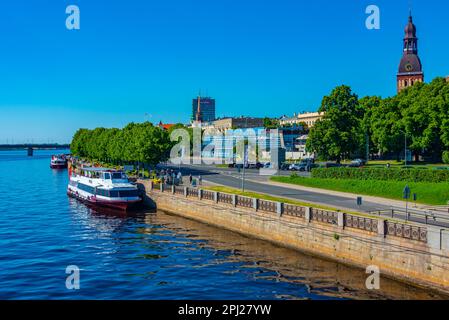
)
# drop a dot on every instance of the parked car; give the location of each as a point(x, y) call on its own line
point(285, 166)
point(332, 165)
point(362, 161)
point(257, 165)
point(357, 163)
point(299, 166)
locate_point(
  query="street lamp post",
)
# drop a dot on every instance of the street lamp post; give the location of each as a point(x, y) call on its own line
point(405, 146)
point(367, 147)
point(405, 151)
point(243, 169)
point(406, 196)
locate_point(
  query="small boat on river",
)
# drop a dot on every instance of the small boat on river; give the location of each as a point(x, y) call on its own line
point(104, 187)
point(58, 162)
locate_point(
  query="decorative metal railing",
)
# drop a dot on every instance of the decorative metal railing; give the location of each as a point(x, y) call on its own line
point(406, 231)
point(244, 202)
point(179, 190)
point(225, 198)
point(267, 206)
point(192, 192)
point(361, 223)
point(324, 216)
point(295, 211)
point(208, 195)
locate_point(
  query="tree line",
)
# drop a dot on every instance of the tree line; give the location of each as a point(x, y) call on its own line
point(419, 114)
point(137, 142)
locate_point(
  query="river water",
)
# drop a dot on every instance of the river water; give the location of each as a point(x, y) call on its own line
point(147, 255)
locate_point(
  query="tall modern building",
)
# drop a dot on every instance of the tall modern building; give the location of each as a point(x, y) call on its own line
point(203, 109)
point(410, 68)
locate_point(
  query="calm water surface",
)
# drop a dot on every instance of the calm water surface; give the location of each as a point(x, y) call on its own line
point(147, 255)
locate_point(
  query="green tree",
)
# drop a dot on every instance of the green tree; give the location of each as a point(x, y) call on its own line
point(270, 123)
point(138, 143)
point(386, 129)
point(339, 134)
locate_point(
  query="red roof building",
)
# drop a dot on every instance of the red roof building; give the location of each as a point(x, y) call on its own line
point(166, 126)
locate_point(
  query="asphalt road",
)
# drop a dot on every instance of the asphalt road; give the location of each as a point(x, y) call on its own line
point(231, 177)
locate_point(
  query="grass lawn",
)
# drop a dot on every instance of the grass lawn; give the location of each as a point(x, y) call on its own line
point(428, 193)
point(222, 166)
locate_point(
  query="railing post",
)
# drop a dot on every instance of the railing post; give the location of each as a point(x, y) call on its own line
point(279, 207)
point(434, 237)
point(185, 192)
point(234, 200)
point(308, 214)
point(200, 194)
point(341, 220)
point(381, 227)
point(256, 204)
point(173, 189)
point(216, 197)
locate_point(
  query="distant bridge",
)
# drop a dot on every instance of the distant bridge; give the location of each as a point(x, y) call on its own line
point(34, 146)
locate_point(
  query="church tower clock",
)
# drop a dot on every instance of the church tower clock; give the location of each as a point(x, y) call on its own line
point(410, 68)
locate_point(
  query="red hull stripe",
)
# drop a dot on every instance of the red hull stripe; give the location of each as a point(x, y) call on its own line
point(121, 205)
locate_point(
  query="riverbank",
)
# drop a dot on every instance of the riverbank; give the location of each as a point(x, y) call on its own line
point(427, 193)
point(418, 255)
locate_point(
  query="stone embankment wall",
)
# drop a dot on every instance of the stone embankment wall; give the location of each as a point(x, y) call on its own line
point(414, 253)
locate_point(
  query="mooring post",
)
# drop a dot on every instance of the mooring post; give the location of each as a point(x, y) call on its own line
point(341, 220)
point(215, 196)
point(279, 206)
point(381, 227)
point(308, 214)
point(185, 192)
point(256, 204)
point(234, 200)
point(162, 187)
point(200, 194)
point(173, 189)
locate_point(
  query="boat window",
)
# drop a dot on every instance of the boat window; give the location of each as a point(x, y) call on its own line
point(102, 192)
point(86, 188)
point(128, 193)
point(107, 176)
point(117, 175)
point(114, 194)
point(124, 193)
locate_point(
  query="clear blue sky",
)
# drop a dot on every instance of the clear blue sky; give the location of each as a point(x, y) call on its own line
point(256, 57)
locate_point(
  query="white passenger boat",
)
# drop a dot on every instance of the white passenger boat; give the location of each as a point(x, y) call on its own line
point(58, 162)
point(103, 187)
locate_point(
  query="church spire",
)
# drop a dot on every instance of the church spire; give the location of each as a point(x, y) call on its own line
point(410, 68)
point(410, 40)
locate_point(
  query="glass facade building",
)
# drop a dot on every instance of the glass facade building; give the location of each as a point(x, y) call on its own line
point(206, 106)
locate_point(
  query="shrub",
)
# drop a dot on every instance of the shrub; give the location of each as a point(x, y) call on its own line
point(446, 157)
point(393, 174)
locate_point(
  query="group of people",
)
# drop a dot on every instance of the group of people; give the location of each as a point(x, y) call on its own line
point(193, 182)
point(170, 176)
